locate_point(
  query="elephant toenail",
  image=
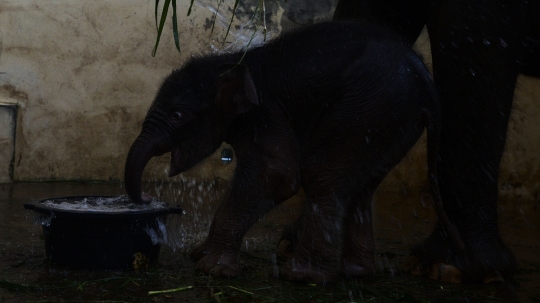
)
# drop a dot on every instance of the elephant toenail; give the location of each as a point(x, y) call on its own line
point(445, 273)
point(493, 276)
point(284, 248)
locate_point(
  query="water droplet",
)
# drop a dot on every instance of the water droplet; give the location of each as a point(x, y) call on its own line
point(275, 266)
point(327, 238)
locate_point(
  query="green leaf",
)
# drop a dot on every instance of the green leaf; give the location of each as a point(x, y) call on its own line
point(232, 18)
point(255, 12)
point(190, 6)
point(175, 26)
point(161, 24)
point(155, 12)
point(156, 292)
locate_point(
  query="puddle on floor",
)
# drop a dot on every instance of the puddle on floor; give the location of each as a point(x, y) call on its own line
point(400, 221)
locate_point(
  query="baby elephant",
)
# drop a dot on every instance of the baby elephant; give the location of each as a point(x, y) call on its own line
point(331, 108)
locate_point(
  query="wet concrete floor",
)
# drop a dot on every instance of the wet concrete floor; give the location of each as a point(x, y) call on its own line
point(400, 222)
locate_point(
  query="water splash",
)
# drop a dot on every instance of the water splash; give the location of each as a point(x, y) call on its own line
point(102, 204)
point(40, 218)
point(249, 32)
point(197, 198)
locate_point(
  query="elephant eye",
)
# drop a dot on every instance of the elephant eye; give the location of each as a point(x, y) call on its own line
point(176, 116)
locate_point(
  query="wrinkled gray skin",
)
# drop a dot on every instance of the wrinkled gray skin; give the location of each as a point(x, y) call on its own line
point(479, 47)
point(331, 108)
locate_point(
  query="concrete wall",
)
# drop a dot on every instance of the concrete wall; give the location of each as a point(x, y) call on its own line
point(8, 119)
point(82, 76)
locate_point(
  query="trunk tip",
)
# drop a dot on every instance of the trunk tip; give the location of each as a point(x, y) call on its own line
point(142, 199)
point(146, 198)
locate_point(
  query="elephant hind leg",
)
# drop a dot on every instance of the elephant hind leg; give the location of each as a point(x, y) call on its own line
point(316, 255)
point(406, 18)
point(476, 82)
point(530, 63)
point(334, 236)
point(433, 256)
point(315, 242)
point(441, 260)
point(359, 243)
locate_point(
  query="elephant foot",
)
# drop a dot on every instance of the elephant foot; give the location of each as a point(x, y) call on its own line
point(448, 273)
point(437, 271)
point(288, 241)
point(225, 265)
point(301, 269)
point(298, 272)
point(486, 259)
point(200, 250)
point(358, 265)
point(219, 263)
point(356, 268)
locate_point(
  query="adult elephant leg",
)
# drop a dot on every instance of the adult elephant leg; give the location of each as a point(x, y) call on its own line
point(474, 45)
point(406, 18)
point(530, 61)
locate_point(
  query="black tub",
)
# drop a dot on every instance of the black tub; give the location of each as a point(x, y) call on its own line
point(98, 239)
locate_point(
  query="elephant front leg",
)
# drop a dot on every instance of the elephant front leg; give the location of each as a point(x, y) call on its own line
point(257, 187)
point(242, 207)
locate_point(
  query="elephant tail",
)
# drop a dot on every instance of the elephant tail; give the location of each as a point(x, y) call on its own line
point(432, 118)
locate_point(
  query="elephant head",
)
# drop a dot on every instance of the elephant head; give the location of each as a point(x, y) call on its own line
point(189, 118)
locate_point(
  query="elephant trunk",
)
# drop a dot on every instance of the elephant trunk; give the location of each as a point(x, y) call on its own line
point(142, 150)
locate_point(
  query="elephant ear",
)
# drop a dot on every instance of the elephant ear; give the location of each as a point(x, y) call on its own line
point(236, 91)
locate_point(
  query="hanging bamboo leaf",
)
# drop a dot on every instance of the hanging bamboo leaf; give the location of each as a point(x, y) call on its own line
point(232, 18)
point(264, 19)
point(161, 24)
point(248, 44)
point(255, 12)
point(175, 26)
point(190, 6)
point(155, 12)
point(215, 16)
